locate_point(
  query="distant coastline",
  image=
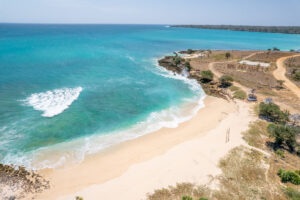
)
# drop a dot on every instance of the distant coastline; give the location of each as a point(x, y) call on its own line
point(265, 29)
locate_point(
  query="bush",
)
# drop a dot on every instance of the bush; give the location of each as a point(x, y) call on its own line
point(289, 176)
point(226, 80)
point(272, 112)
point(297, 76)
point(280, 153)
point(190, 51)
point(177, 60)
point(188, 65)
point(283, 134)
point(187, 198)
point(203, 198)
point(227, 55)
point(79, 198)
point(207, 76)
point(239, 94)
point(292, 193)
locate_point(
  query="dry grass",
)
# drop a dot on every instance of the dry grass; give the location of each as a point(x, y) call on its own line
point(293, 66)
point(180, 190)
point(257, 134)
point(269, 56)
point(255, 79)
point(243, 178)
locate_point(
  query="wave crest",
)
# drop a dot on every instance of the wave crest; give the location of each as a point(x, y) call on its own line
point(53, 102)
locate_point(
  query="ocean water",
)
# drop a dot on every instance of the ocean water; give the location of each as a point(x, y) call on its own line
point(67, 91)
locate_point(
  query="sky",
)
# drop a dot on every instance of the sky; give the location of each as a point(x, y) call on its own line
point(235, 12)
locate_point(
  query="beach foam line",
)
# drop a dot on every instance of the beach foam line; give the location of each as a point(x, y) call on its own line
point(73, 152)
point(193, 84)
point(53, 102)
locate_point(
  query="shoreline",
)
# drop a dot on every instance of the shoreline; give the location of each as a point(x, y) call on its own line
point(113, 163)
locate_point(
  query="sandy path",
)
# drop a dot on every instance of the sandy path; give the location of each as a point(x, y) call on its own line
point(279, 74)
point(217, 74)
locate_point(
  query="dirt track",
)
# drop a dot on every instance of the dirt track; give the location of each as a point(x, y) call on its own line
point(279, 74)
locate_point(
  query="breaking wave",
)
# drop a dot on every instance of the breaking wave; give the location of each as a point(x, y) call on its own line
point(53, 102)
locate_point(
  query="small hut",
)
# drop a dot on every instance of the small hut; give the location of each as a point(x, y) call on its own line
point(268, 100)
point(251, 95)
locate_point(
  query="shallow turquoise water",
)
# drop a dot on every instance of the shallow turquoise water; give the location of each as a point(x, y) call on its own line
point(71, 90)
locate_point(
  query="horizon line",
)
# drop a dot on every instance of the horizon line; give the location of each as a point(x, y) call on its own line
point(57, 23)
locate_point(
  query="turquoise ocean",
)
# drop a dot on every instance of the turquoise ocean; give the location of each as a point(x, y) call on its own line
point(67, 91)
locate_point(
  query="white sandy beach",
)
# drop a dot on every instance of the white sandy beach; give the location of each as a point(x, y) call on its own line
point(189, 153)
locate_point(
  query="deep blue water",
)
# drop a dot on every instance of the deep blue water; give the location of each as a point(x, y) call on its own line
point(71, 90)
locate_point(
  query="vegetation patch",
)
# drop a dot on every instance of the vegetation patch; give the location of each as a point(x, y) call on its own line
point(239, 94)
point(234, 88)
point(284, 135)
point(272, 112)
point(292, 193)
point(226, 81)
point(256, 134)
point(20, 182)
point(289, 176)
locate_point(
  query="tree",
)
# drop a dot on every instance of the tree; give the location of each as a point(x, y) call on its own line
point(226, 80)
point(283, 134)
point(276, 49)
point(177, 60)
point(272, 112)
point(207, 76)
point(227, 55)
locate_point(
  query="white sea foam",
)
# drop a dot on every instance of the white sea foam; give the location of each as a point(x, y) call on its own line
point(130, 58)
point(74, 152)
point(53, 102)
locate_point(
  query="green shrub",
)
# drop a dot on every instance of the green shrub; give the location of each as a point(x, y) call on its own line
point(190, 51)
point(177, 60)
point(283, 134)
point(292, 193)
point(187, 198)
point(227, 55)
point(289, 176)
point(280, 153)
point(272, 112)
point(188, 65)
point(239, 94)
point(79, 198)
point(226, 80)
point(207, 76)
point(202, 198)
point(297, 76)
